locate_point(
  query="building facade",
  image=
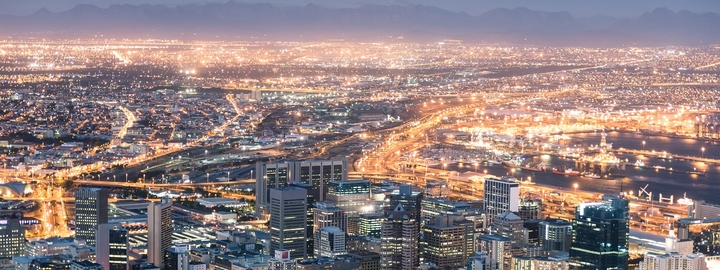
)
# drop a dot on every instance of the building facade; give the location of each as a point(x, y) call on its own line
point(601, 234)
point(288, 220)
point(160, 229)
point(555, 235)
point(12, 238)
point(353, 196)
point(448, 241)
point(112, 248)
point(330, 242)
point(317, 173)
point(399, 240)
point(91, 209)
point(500, 196)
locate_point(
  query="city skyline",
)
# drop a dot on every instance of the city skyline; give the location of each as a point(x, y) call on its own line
point(359, 134)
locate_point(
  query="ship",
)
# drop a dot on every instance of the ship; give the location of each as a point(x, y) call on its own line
point(592, 175)
point(568, 172)
point(533, 167)
point(493, 161)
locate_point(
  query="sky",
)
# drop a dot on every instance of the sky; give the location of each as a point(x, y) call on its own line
point(579, 8)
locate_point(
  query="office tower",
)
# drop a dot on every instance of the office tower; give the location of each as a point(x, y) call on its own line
point(330, 242)
point(530, 209)
point(312, 195)
point(91, 209)
point(497, 249)
point(177, 258)
point(678, 255)
point(368, 260)
point(555, 235)
point(317, 173)
point(371, 224)
point(511, 226)
point(288, 220)
point(532, 231)
point(326, 214)
point(282, 261)
point(160, 228)
point(410, 200)
point(500, 196)
point(12, 237)
point(432, 207)
point(448, 242)
point(399, 240)
point(269, 176)
point(353, 196)
point(112, 246)
point(479, 261)
point(600, 235)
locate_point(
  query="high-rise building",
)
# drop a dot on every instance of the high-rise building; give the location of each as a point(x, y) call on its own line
point(330, 242)
point(448, 242)
point(269, 176)
point(601, 234)
point(91, 209)
point(177, 258)
point(12, 238)
point(497, 249)
point(312, 195)
point(532, 231)
point(399, 240)
point(410, 200)
point(530, 209)
point(282, 261)
point(317, 173)
point(510, 225)
point(432, 207)
point(704, 233)
point(288, 220)
point(112, 246)
point(500, 196)
point(326, 214)
point(678, 255)
point(555, 235)
point(160, 228)
point(353, 196)
point(371, 224)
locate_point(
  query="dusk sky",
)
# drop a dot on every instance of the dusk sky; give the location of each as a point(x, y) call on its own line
point(579, 8)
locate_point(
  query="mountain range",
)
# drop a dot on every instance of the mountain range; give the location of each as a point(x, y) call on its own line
point(241, 21)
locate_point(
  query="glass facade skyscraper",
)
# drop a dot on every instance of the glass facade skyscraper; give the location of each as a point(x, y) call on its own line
point(600, 235)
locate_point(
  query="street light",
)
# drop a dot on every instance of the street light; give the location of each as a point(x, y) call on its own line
point(643, 145)
point(575, 186)
point(703, 152)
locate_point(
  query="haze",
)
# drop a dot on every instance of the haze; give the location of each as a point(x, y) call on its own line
point(586, 8)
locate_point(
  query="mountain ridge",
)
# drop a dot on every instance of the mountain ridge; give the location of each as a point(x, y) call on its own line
point(369, 22)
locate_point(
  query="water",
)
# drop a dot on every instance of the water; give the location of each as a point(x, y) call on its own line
point(705, 188)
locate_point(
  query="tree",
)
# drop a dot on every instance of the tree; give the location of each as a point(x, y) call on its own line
point(68, 184)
